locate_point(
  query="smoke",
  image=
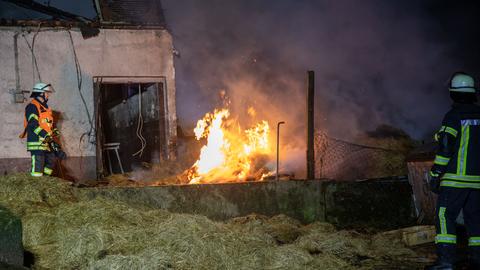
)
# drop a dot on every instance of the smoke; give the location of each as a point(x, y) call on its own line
point(376, 62)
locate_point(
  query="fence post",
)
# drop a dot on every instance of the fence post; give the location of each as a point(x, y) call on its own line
point(310, 125)
point(278, 149)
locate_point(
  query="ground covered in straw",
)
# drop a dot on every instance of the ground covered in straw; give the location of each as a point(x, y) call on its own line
point(64, 232)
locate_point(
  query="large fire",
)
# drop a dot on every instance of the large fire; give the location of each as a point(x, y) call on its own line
point(230, 153)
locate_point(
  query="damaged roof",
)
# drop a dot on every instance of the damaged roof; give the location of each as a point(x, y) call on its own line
point(33, 10)
point(131, 12)
point(110, 14)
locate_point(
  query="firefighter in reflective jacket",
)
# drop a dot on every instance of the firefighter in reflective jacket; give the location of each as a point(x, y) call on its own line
point(38, 124)
point(455, 175)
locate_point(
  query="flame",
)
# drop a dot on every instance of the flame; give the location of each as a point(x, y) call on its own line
point(251, 111)
point(229, 154)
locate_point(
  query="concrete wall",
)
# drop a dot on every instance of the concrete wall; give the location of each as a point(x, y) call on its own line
point(114, 52)
point(383, 204)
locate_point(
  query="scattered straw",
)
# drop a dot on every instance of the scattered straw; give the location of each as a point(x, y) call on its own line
point(64, 232)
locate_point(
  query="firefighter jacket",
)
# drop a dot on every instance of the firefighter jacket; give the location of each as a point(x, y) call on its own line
point(38, 123)
point(458, 155)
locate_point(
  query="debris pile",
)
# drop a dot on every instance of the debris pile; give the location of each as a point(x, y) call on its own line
point(65, 232)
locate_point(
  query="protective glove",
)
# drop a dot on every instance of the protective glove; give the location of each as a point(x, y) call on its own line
point(434, 182)
point(56, 132)
point(47, 140)
point(55, 146)
point(57, 149)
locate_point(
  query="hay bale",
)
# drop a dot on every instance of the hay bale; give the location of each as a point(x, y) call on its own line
point(145, 260)
point(78, 232)
point(64, 232)
point(346, 245)
point(39, 227)
point(98, 233)
point(284, 229)
point(319, 227)
point(21, 192)
point(281, 228)
point(147, 174)
point(390, 245)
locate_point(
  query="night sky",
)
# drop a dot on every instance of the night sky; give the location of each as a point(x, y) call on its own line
point(376, 61)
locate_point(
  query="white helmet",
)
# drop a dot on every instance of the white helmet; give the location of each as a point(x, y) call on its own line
point(462, 82)
point(42, 88)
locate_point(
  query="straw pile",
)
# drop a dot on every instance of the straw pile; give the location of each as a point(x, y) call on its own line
point(146, 174)
point(64, 232)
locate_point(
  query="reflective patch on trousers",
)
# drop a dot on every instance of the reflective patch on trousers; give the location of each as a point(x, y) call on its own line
point(446, 239)
point(474, 241)
point(47, 171)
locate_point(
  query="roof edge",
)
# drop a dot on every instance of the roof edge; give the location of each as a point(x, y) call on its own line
point(75, 24)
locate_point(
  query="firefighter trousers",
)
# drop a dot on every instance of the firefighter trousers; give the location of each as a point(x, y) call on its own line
point(449, 204)
point(43, 162)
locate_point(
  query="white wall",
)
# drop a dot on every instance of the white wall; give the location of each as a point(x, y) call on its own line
point(111, 53)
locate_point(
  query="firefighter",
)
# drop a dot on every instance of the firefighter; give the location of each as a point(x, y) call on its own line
point(455, 175)
point(38, 128)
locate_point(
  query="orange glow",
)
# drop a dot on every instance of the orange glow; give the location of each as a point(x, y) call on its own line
point(230, 153)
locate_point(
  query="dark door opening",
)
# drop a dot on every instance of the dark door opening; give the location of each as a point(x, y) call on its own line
point(132, 115)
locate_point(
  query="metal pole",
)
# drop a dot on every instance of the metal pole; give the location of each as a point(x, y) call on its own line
point(278, 146)
point(310, 125)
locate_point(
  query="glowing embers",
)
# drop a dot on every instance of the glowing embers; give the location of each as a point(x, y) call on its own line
point(230, 154)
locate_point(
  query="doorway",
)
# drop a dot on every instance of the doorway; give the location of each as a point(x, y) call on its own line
point(132, 116)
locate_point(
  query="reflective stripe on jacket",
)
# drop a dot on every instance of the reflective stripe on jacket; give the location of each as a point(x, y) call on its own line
point(38, 123)
point(458, 155)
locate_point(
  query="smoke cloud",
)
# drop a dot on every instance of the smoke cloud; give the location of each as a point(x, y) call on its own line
point(375, 62)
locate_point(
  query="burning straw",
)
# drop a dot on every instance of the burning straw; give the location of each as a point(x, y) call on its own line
point(64, 232)
point(231, 153)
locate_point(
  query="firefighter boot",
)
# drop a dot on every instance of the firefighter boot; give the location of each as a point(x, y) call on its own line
point(446, 258)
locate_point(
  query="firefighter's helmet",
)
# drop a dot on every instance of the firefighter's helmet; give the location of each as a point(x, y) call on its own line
point(42, 88)
point(462, 82)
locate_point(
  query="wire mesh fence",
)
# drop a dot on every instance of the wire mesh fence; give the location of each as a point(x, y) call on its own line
point(342, 160)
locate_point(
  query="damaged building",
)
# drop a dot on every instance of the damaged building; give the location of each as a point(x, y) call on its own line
point(233, 194)
point(114, 82)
